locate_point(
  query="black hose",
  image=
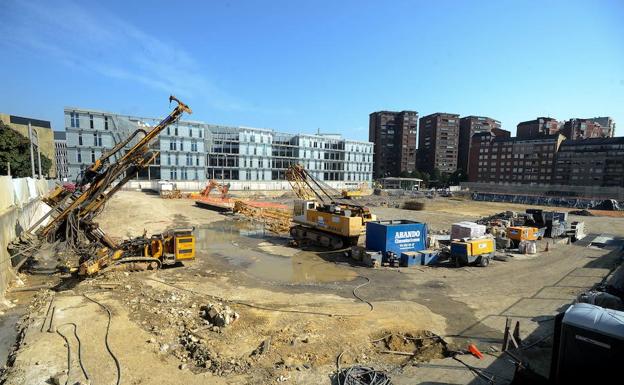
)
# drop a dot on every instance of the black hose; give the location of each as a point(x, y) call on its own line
point(110, 316)
point(261, 307)
point(84, 371)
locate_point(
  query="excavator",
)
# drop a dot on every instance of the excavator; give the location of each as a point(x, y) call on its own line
point(71, 218)
point(321, 215)
point(223, 189)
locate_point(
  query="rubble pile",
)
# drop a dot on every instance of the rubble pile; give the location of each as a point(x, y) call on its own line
point(218, 315)
point(194, 351)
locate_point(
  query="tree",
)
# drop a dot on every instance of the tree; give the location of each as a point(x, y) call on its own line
point(457, 177)
point(14, 148)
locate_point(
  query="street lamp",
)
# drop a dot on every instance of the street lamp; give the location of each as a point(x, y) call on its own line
point(34, 141)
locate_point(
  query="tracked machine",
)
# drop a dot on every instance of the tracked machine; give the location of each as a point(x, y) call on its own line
point(321, 215)
point(70, 222)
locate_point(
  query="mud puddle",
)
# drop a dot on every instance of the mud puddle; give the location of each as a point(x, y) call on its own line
point(250, 248)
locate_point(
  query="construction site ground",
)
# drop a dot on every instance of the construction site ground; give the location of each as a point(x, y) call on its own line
point(301, 312)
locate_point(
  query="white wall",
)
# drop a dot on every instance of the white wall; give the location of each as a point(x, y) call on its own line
point(20, 208)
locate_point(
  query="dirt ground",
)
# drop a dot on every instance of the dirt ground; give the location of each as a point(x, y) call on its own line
point(300, 311)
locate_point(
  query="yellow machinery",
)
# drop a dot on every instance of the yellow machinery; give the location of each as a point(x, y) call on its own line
point(477, 250)
point(320, 216)
point(141, 253)
point(523, 233)
point(73, 210)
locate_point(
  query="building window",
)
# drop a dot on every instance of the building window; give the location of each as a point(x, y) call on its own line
point(169, 159)
point(175, 132)
point(174, 173)
point(168, 130)
point(80, 138)
point(79, 157)
point(92, 156)
point(181, 146)
point(106, 122)
point(172, 145)
point(197, 161)
point(191, 132)
point(189, 160)
point(95, 139)
point(91, 120)
point(177, 160)
point(201, 133)
point(194, 146)
point(75, 121)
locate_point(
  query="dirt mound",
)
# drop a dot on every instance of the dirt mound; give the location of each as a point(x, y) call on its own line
point(423, 345)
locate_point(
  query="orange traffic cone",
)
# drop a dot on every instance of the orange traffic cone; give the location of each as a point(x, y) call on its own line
point(475, 352)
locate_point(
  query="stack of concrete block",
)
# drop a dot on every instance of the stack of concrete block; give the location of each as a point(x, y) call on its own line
point(467, 229)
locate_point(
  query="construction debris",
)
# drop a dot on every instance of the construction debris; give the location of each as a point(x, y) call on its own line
point(218, 314)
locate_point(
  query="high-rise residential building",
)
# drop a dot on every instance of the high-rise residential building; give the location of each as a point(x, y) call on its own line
point(587, 128)
point(191, 150)
point(470, 125)
point(537, 127)
point(607, 124)
point(60, 146)
point(496, 159)
point(438, 142)
point(42, 129)
point(590, 162)
point(394, 136)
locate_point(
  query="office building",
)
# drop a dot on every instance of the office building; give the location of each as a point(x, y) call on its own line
point(60, 147)
point(438, 142)
point(191, 150)
point(394, 136)
point(42, 129)
point(470, 125)
point(537, 127)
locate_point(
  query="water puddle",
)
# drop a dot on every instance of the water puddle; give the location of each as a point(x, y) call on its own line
point(250, 248)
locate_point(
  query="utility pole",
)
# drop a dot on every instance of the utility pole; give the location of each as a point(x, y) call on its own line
point(32, 155)
point(39, 158)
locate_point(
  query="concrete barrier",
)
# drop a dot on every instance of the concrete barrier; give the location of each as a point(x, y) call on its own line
point(235, 185)
point(20, 208)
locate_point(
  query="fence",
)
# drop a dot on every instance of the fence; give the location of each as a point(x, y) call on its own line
point(20, 208)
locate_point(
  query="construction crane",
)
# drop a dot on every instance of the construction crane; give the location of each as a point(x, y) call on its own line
point(321, 215)
point(71, 218)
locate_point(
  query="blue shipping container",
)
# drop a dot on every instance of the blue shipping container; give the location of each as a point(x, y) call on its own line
point(397, 236)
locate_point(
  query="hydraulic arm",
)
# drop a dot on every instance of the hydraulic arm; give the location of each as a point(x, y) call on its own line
point(73, 210)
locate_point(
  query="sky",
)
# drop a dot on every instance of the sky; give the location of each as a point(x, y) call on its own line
point(303, 66)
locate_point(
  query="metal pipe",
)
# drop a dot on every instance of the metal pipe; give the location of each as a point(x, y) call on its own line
point(32, 154)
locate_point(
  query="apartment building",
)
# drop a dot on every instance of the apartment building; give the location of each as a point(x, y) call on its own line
point(590, 162)
point(537, 127)
point(60, 147)
point(585, 128)
point(470, 125)
point(496, 159)
point(394, 136)
point(607, 124)
point(190, 150)
point(438, 142)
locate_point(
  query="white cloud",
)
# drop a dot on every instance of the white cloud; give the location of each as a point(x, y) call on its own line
point(96, 40)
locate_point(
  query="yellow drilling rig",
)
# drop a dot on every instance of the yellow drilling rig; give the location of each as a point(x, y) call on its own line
point(71, 218)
